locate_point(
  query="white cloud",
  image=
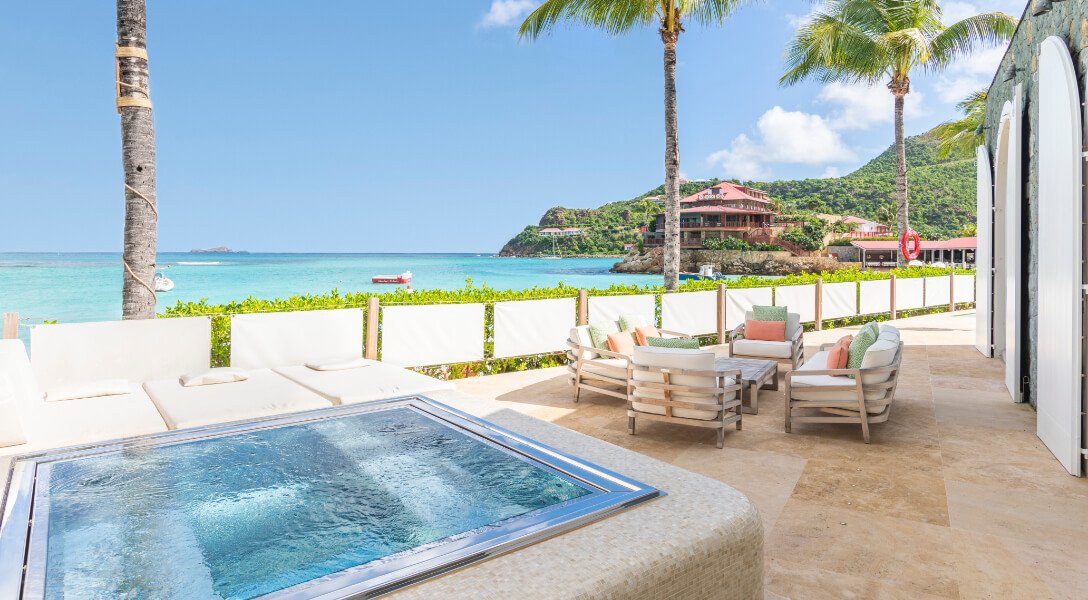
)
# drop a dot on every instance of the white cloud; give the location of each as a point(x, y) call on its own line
point(784, 137)
point(862, 106)
point(504, 13)
point(955, 11)
point(969, 74)
point(830, 172)
point(797, 21)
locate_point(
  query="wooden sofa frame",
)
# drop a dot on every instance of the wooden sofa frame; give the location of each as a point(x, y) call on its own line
point(728, 410)
point(845, 411)
point(610, 380)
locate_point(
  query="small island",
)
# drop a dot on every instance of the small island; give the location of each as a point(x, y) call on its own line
point(218, 250)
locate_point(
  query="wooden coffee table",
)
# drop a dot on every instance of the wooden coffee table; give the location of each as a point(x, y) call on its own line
point(755, 374)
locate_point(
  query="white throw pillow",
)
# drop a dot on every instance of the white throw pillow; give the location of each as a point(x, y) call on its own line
point(880, 354)
point(339, 365)
point(91, 389)
point(213, 377)
point(11, 427)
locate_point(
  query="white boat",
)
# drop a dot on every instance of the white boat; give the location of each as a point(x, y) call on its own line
point(554, 255)
point(163, 283)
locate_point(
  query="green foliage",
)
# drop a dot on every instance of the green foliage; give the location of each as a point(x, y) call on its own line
point(736, 243)
point(962, 136)
point(809, 236)
point(942, 193)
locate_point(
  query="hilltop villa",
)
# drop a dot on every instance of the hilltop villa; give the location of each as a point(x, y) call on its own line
point(724, 210)
point(560, 232)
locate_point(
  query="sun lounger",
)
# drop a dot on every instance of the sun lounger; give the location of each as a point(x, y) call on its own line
point(263, 394)
point(329, 339)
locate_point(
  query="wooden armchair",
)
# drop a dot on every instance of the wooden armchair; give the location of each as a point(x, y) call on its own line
point(682, 386)
point(816, 394)
point(792, 350)
point(597, 370)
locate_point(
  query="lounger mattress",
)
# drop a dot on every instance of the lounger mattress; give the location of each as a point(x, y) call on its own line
point(374, 381)
point(263, 394)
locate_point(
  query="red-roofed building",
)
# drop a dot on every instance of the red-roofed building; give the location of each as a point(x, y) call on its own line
point(957, 251)
point(724, 210)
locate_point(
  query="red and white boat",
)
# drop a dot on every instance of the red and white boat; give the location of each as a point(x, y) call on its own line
point(405, 277)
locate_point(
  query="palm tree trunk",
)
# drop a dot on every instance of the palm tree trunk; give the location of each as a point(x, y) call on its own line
point(672, 173)
point(900, 171)
point(138, 159)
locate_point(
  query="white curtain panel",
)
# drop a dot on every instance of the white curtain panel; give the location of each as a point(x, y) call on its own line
point(876, 297)
point(603, 309)
point(139, 351)
point(432, 334)
point(532, 326)
point(964, 290)
point(693, 313)
point(938, 292)
point(840, 300)
point(740, 301)
point(800, 299)
point(908, 293)
point(282, 339)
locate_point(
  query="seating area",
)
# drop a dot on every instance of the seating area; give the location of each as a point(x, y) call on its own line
point(666, 376)
point(93, 382)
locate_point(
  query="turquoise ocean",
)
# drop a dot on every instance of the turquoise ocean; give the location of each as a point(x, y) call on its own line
point(71, 287)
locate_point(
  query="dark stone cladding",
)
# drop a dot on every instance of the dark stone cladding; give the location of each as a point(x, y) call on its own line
point(1068, 20)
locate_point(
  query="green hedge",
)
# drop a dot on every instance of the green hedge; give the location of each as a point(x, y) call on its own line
point(220, 313)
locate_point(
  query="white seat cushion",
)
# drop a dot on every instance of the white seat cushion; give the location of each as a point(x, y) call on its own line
point(580, 335)
point(94, 419)
point(806, 387)
point(610, 367)
point(263, 394)
point(694, 360)
point(880, 354)
point(375, 381)
point(11, 426)
point(763, 348)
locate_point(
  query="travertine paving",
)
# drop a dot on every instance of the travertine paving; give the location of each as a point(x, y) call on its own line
point(955, 498)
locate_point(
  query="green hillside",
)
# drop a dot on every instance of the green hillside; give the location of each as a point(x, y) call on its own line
point(942, 193)
point(942, 201)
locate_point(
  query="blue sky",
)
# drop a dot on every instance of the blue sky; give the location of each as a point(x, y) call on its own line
point(334, 126)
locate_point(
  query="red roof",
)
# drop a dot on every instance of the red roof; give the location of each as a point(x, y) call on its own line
point(723, 209)
point(729, 191)
point(968, 243)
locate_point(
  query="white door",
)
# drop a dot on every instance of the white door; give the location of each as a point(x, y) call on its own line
point(1060, 250)
point(984, 225)
point(1008, 242)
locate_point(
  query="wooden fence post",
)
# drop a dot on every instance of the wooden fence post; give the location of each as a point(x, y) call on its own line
point(721, 314)
point(373, 315)
point(11, 326)
point(819, 304)
point(891, 301)
point(951, 292)
point(583, 307)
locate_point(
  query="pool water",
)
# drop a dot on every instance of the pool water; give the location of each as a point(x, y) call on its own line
point(266, 509)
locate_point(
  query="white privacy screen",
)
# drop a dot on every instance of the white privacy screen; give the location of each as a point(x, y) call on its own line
point(938, 291)
point(740, 301)
point(609, 308)
point(908, 293)
point(532, 326)
point(840, 300)
point(414, 336)
point(693, 313)
point(875, 297)
point(800, 299)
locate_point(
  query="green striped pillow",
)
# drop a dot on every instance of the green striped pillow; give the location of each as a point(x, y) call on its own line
point(599, 333)
point(769, 313)
point(864, 338)
point(682, 343)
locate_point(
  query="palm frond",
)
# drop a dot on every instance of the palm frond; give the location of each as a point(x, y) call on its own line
point(710, 12)
point(613, 16)
point(962, 136)
point(836, 47)
point(963, 36)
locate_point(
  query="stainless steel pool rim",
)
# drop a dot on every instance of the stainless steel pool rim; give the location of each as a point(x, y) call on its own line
point(23, 546)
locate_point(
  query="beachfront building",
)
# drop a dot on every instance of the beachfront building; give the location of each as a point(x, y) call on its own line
point(863, 228)
point(1031, 207)
point(958, 252)
point(721, 211)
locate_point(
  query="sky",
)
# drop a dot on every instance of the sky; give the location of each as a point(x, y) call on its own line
point(334, 126)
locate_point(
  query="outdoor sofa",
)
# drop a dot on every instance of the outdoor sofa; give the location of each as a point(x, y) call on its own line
point(816, 394)
point(792, 349)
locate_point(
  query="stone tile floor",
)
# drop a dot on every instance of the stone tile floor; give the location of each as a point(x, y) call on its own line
point(956, 497)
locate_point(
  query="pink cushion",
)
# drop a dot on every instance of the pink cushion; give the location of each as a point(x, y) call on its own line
point(767, 331)
point(642, 334)
point(622, 343)
point(839, 354)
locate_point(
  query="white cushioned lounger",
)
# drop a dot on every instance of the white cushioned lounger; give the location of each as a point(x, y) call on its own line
point(374, 381)
point(68, 422)
point(263, 394)
point(285, 342)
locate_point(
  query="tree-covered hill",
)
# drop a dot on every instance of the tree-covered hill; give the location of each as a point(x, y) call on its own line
point(942, 202)
point(942, 193)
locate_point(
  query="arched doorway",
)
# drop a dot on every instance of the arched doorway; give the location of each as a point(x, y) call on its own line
point(1007, 233)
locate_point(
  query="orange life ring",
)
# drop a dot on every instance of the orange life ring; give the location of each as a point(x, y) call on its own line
point(907, 253)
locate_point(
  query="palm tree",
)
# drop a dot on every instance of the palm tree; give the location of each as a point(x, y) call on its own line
point(962, 136)
point(872, 41)
point(622, 16)
point(138, 159)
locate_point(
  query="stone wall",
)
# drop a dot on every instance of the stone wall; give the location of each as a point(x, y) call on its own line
point(1067, 20)
point(732, 262)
